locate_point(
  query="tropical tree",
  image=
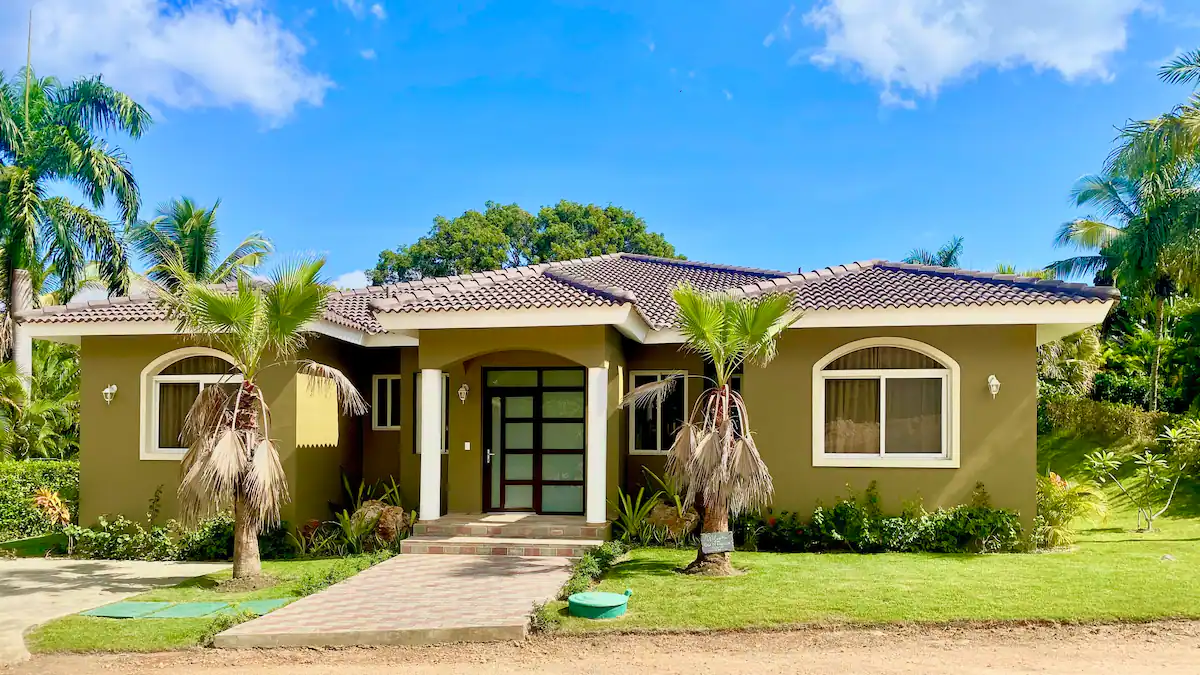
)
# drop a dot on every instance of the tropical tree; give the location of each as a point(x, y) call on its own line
point(1151, 249)
point(1006, 268)
point(53, 133)
point(946, 256)
point(714, 460)
point(505, 235)
point(1070, 364)
point(232, 461)
point(1176, 134)
point(187, 232)
point(43, 422)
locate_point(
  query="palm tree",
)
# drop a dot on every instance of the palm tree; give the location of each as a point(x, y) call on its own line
point(232, 461)
point(946, 256)
point(1006, 268)
point(51, 133)
point(1072, 362)
point(1174, 134)
point(714, 460)
point(1153, 248)
point(45, 421)
point(187, 232)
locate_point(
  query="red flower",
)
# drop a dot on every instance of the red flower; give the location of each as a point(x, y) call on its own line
point(771, 522)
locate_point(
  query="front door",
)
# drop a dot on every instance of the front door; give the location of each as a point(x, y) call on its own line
point(534, 439)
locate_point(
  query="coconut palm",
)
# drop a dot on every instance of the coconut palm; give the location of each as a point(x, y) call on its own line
point(44, 422)
point(1174, 134)
point(1150, 251)
point(714, 460)
point(946, 256)
point(1072, 362)
point(50, 134)
point(188, 232)
point(232, 461)
point(1008, 268)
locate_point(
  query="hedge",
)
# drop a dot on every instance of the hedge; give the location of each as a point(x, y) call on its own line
point(19, 480)
point(1113, 421)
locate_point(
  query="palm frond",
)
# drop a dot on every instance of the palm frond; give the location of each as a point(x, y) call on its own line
point(265, 485)
point(1183, 69)
point(294, 299)
point(352, 402)
point(1086, 234)
point(652, 394)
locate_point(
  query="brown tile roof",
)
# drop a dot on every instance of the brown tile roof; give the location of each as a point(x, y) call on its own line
point(646, 283)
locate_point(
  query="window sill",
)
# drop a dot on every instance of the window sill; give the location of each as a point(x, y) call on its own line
point(163, 456)
point(886, 462)
point(649, 453)
point(374, 428)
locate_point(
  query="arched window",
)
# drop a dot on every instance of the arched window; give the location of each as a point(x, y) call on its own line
point(885, 402)
point(170, 386)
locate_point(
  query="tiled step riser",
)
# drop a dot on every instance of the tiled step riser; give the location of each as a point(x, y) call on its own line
point(410, 547)
point(512, 531)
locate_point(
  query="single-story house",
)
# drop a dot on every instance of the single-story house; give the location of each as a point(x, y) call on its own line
point(501, 390)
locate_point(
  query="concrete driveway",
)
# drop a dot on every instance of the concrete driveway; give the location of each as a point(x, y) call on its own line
point(36, 590)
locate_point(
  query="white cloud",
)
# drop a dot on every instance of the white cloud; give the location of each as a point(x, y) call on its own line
point(355, 7)
point(368, 54)
point(355, 279)
point(379, 12)
point(728, 94)
point(784, 30)
point(204, 53)
point(918, 46)
point(650, 45)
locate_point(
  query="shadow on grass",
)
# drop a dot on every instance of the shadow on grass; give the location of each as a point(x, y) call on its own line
point(642, 568)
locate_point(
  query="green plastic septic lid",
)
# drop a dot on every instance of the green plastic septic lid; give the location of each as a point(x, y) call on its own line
point(595, 599)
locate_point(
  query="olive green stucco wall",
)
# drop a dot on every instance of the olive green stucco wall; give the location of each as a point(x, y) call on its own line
point(998, 437)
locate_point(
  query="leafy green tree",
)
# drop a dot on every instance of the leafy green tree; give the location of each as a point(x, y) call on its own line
point(1176, 133)
point(188, 233)
point(232, 460)
point(43, 423)
point(946, 256)
point(505, 235)
point(1070, 364)
point(714, 461)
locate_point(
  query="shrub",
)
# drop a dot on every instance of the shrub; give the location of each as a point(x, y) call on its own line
point(212, 539)
point(1111, 421)
point(632, 524)
point(340, 571)
point(591, 566)
point(856, 523)
point(20, 480)
point(223, 622)
point(1059, 503)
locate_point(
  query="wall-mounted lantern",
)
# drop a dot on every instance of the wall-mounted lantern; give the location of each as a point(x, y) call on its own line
point(993, 385)
point(109, 393)
point(462, 392)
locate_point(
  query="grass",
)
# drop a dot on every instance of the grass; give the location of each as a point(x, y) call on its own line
point(93, 634)
point(1112, 574)
point(36, 547)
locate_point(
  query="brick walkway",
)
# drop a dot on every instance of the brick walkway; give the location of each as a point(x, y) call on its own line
point(412, 600)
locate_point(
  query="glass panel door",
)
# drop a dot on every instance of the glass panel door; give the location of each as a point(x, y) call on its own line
point(535, 435)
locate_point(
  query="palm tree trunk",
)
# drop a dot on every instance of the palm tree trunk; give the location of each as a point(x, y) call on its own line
point(1158, 338)
point(246, 562)
point(21, 293)
point(712, 564)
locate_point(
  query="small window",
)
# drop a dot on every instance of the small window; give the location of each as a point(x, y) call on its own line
point(652, 429)
point(174, 390)
point(385, 402)
point(417, 412)
point(884, 405)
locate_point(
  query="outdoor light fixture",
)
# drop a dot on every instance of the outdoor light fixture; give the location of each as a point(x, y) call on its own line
point(993, 385)
point(109, 393)
point(462, 392)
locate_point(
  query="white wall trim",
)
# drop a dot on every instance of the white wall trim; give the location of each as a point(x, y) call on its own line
point(597, 445)
point(430, 498)
point(386, 404)
point(148, 399)
point(63, 332)
point(951, 406)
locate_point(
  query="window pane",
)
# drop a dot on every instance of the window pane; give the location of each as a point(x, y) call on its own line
point(876, 358)
point(852, 416)
point(381, 408)
point(562, 378)
point(914, 416)
point(562, 404)
point(518, 406)
point(672, 412)
point(518, 467)
point(562, 499)
point(198, 365)
point(174, 401)
point(562, 435)
point(512, 378)
point(495, 449)
point(562, 467)
point(645, 428)
point(518, 435)
point(394, 404)
point(518, 497)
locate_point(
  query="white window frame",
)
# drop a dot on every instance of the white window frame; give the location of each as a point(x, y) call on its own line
point(150, 379)
point(949, 375)
point(445, 435)
point(392, 425)
point(633, 374)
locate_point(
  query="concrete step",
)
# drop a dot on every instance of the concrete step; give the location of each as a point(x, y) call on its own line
point(526, 528)
point(514, 546)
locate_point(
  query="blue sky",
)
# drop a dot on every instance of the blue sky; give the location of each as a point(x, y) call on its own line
point(770, 134)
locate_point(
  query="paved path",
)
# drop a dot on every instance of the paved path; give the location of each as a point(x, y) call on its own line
point(413, 599)
point(35, 590)
point(1161, 648)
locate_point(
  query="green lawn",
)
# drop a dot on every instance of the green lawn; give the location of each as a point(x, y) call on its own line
point(1112, 575)
point(36, 547)
point(91, 634)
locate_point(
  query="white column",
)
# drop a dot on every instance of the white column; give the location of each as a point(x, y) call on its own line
point(597, 444)
point(431, 444)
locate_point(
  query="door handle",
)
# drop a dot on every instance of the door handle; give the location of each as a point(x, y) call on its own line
point(489, 455)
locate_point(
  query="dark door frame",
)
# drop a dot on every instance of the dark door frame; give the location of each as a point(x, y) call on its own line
point(536, 482)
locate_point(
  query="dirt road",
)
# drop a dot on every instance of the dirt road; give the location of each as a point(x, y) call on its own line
point(1168, 648)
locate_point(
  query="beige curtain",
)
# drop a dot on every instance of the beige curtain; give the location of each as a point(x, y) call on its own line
point(852, 416)
point(174, 401)
point(876, 358)
point(914, 415)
